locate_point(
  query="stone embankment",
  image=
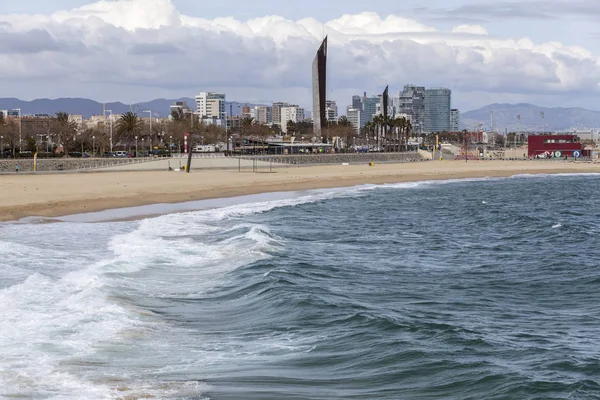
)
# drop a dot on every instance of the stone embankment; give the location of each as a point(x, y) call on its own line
point(63, 164)
point(350, 158)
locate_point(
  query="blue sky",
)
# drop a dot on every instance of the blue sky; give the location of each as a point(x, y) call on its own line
point(543, 51)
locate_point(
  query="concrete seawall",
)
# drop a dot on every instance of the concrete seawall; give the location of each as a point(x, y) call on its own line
point(64, 164)
point(350, 158)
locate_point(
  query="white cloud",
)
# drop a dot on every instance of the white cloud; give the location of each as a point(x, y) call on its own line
point(473, 29)
point(137, 49)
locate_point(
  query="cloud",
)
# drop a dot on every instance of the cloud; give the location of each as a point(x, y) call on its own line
point(472, 29)
point(541, 10)
point(135, 49)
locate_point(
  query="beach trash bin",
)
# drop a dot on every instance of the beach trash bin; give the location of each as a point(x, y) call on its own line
point(371, 164)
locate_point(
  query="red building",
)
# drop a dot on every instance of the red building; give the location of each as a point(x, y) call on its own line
point(547, 146)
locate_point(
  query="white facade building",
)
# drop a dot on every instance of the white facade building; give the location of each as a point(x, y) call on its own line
point(331, 110)
point(294, 114)
point(353, 115)
point(211, 105)
point(454, 120)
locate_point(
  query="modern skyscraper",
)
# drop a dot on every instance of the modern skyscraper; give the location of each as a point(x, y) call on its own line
point(412, 102)
point(369, 108)
point(437, 110)
point(454, 120)
point(384, 102)
point(319, 86)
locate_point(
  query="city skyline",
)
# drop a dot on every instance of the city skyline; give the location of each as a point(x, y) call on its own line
point(98, 51)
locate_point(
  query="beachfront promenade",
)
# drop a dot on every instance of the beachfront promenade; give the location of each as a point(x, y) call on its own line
point(203, 161)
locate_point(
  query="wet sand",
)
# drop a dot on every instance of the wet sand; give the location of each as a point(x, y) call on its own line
point(51, 195)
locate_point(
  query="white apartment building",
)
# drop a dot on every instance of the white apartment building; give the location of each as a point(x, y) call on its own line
point(294, 114)
point(210, 105)
point(353, 115)
point(454, 120)
point(331, 110)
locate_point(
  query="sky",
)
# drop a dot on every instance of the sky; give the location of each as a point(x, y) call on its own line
point(545, 52)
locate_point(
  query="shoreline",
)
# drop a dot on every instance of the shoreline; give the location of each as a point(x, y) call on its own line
point(49, 196)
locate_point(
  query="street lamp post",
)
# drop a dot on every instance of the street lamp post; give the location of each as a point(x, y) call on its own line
point(150, 119)
point(170, 144)
point(2, 146)
point(136, 149)
point(20, 130)
point(142, 145)
point(111, 129)
point(93, 146)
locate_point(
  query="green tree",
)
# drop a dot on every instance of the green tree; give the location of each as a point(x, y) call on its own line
point(64, 130)
point(129, 125)
point(291, 127)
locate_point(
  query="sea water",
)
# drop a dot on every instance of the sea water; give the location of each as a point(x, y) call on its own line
point(474, 289)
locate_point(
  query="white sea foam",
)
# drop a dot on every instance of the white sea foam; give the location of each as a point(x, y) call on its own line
point(71, 313)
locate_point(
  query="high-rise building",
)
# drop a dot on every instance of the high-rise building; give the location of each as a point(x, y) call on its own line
point(357, 102)
point(276, 112)
point(369, 108)
point(454, 120)
point(264, 115)
point(319, 86)
point(294, 114)
point(216, 107)
point(437, 110)
point(411, 101)
point(353, 115)
point(331, 110)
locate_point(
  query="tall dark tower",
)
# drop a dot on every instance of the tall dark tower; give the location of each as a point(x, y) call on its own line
point(384, 102)
point(319, 85)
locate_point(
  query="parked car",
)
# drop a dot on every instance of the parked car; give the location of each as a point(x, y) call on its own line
point(109, 154)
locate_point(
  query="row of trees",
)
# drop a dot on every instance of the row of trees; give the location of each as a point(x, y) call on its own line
point(390, 133)
point(64, 135)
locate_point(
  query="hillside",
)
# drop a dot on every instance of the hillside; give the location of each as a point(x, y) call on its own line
point(555, 119)
point(88, 108)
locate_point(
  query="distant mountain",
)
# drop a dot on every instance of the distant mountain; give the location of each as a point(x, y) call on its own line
point(88, 108)
point(555, 119)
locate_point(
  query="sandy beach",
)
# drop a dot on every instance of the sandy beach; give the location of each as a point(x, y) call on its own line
point(51, 195)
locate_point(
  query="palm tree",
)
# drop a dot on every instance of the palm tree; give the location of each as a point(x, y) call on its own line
point(128, 126)
point(344, 121)
point(379, 122)
point(408, 131)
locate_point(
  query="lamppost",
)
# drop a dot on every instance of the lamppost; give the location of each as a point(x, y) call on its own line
point(142, 145)
point(2, 146)
point(150, 118)
point(136, 149)
point(111, 129)
point(202, 137)
point(170, 144)
point(93, 145)
point(20, 129)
